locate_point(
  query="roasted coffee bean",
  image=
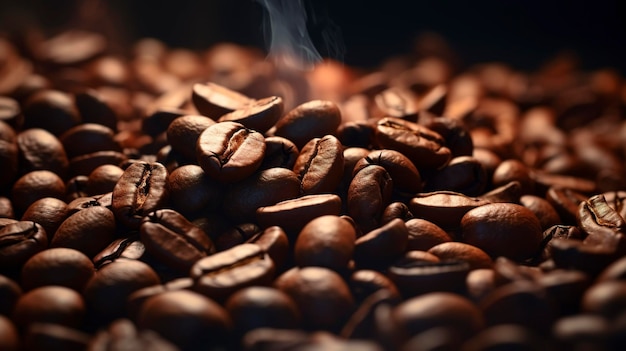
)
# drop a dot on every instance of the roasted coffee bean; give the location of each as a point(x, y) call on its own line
point(424, 234)
point(54, 337)
point(10, 292)
point(6, 208)
point(313, 119)
point(575, 254)
point(274, 241)
point(521, 302)
point(95, 108)
point(141, 190)
point(293, 214)
point(326, 241)
point(123, 334)
point(481, 282)
point(606, 299)
point(10, 112)
point(102, 180)
point(368, 196)
point(184, 131)
point(51, 110)
point(8, 155)
point(88, 138)
point(192, 190)
point(173, 240)
point(19, 241)
point(264, 188)
point(514, 170)
point(9, 336)
point(107, 291)
point(362, 323)
point(48, 212)
point(356, 134)
point(213, 100)
point(381, 245)
point(406, 178)
point(50, 304)
point(57, 266)
point(230, 152)
point(88, 231)
point(322, 296)
point(463, 174)
point(365, 282)
point(259, 115)
point(444, 208)
point(505, 337)
point(582, 331)
point(124, 248)
point(615, 271)
point(235, 234)
point(421, 145)
point(436, 309)
point(452, 130)
point(186, 319)
point(454, 250)
point(396, 210)
point(279, 152)
point(262, 307)
point(565, 202)
point(503, 229)
point(564, 289)
point(75, 187)
point(82, 203)
point(397, 102)
point(36, 185)
point(511, 192)
point(416, 277)
point(85, 164)
point(320, 165)
point(603, 225)
point(219, 275)
point(41, 150)
point(546, 214)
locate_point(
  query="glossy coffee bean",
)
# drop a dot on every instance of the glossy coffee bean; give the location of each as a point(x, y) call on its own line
point(313, 119)
point(123, 333)
point(19, 241)
point(10, 291)
point(259, 115)
point(221, 274)
point(48, 212)
point(279, 152)
point(326, 241)
point(454, 250)
point(229, 152)
point(275, 242)
point(184, 131)
point(546, 214)
point(57, 266)
point(424, 234)
point(365, 282)
point(54, 337)
point(88, 138)
point(415, 277)
point(213, 100)
point(50, 304)
point(41, 150)
point(381, 245)
point(444, 208)
point(51, 110)
point(141, 189)
point(319, 165)
point(368, 196)
point(463, 174)
point(503, 229)
point(36, 185)
point(88, 231)
point(9, 336)
point(172, 239)
point(406, 178)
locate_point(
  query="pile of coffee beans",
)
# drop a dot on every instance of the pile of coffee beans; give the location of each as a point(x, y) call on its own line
point(170, 199)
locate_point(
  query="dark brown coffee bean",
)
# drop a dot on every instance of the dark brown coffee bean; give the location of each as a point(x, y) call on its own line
point(10, 292)
point(6, 208)
point(356, 134)
point(124, 248)
point(565, 289)
point(19, 241)
point(503, 229)
point(421, 145)
point(444, 208)
point(213, 100)
point(396, 210)
point(362, 324)
point(291, 215)
point(279, 152)
point(575, 254)
point(615, 271)
point(10, 112)
point(54, 337)
point(107, 291)
point(85, 164)
point(85, 202)
point(88, 231)
point(172, 239)
point(454, 250)
point(51, 110)
point(88, 138)
point(95, 108)
point(313, 119)
point(274, 241)
point(192, 190)
point(235, 234)
point(511, 192)
point(481, 282)
point(141, 190)
point(184, 131)
point(326, 241)
point(36, 185)
point(406, 178)
point(50, 304)
point(437, 309)
point(397, 102)
point(9, 153)
point(259, 115)
point(223, 273)
point(186, 319)
point(368, 196)
point(565, 202)
point(262, 307)
point(320, 165)
point(57, 266)
point(514, 170)
point(123, 334)
point(365, 282)
point(603, 225)
point(605, 299)
point(424, 234)
point(41, 150)
point(75, 187)
point(505, 337)
point(581, 331)
point(522, 302)
point(457, 136)
point(463, 174)
point(48, 212)
point(264, 188)
point(546, 214)
point(331, 296)
point(102, 180)
point(230, 152)
point(381, 245)
point(9, 336)
point(417, 277)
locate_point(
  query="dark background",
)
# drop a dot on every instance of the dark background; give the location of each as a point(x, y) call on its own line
point(523, 33)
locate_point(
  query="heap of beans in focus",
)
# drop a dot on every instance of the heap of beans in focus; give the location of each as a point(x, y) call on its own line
point(170, 199)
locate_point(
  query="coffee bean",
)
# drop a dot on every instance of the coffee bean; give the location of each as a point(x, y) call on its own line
point(9, 336)
point(192, 190)
point(462, 174)
point(53, 337)
point(320, 165)
point(41, 150)
point(88, 231)
point(406, 178)
point(88, 138)
point(123, 333)
point(230, 152)
point(444, 208)
point(19, 241)
point(313, 119)
point(184, 131)
point(368, 196)
point(453, 250)
point(424, 234)
point(326, 241)
point(141, 189)
point(172, 239)
point(381, 245)
point(48, 212)
point(36, 185)
point(274, 241)
point(51, 110)
point(259, 115)
point(50, 304)
point(279, 152)
point(213, 100)
point(10, 292)
point(57, 266)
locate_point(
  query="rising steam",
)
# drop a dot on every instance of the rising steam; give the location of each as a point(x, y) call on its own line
point(287, 35)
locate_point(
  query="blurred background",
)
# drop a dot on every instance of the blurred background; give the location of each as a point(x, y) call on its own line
point(522, 33)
